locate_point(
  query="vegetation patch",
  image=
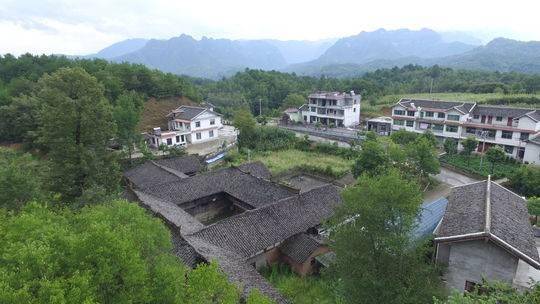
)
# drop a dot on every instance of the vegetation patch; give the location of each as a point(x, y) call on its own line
point(285, 160)
point(471, 164)
point(300, 290)
point(153, 114)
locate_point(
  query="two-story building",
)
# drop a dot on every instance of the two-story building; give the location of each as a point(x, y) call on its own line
point(515, 129)
point(332, 108)
point(187, 125)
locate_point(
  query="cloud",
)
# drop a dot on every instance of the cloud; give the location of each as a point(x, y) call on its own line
point(83, 26)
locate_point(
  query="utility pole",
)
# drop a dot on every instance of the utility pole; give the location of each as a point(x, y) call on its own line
point(260, 107)
point(431, 86)
point(483, 136)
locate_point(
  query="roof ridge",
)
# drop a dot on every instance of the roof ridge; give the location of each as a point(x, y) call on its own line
point(487, 227)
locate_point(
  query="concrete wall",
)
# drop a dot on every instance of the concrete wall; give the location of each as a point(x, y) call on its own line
point(532, 153)
point(308, 267)
point(474, 260)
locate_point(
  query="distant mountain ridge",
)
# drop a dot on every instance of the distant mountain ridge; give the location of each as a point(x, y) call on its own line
point(345, 57)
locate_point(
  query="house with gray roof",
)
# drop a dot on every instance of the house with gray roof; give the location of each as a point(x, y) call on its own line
point(237, 216)
point(509, 127)
point(187, 125)
point(483, 234)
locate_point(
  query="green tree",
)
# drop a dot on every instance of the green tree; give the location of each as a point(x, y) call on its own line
point(245, 124)
point(430, 137)
point(526, 181)
point(293, 100)
point(450, 146)
point(403, 137)
point(533, 204)
point(495, 155)
point(18, 120)
point(76, 124)
point(108, 253)
point(371, 159)
point(376, 259)
point(127, 113)
point(424, 157)
point(469, 145)
point(20, 179)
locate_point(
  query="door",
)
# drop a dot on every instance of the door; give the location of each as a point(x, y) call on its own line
point(483, 119)
point(509, 122)
point(490, 118)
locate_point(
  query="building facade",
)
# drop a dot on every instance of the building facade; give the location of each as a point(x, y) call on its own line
point(512, 128)
point(187, 125)
point(332, 108)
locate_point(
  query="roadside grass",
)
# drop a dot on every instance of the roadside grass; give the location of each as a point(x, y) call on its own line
point(311, 289)
point(500, 170)
point(284, 160)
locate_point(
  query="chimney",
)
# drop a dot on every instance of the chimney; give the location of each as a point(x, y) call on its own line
point(157, 131)
point(352, 92)
point(412, 105)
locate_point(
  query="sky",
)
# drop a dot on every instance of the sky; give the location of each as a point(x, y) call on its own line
point(86, 26)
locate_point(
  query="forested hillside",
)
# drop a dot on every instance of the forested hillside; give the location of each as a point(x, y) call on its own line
point(19, 82)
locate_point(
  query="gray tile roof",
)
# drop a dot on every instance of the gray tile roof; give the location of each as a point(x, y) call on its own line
point(506, 224)
point(186, 112)
point(300, 247)
point(189, 164)
point(257, 169)
point(245, 187)
point(499, 111)
point(148, 175)
point(255, 230)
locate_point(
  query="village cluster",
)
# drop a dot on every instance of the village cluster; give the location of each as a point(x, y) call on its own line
point(246, 219)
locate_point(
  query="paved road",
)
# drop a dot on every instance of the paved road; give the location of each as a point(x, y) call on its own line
point(452, 178)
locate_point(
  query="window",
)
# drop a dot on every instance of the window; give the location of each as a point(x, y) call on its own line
point(212, 121)
point(430, 114)
point(409, 123)
point(399, 112)
point(399, 122)
point(453, 117)
point(508, 149)
point(440, 115)
point(452, 129)
point(476, 116)
point(470, 130)
point(312, 109)
point(169, 141)
point(197, 124)
point(177, 138)
point(410, 113)
point(524, 136)
point(153, 140)
point(354, 109)
point(211, 133)
point(198, 135)
point(470, 286)
point(498, 118)
point(437, 127)
point(506, 134)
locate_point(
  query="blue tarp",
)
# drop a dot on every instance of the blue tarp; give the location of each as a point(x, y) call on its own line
point(216, 158)
point(430, 215)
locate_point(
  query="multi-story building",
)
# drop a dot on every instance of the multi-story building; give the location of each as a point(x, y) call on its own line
point(332, 108)
point(515, 129)
point(187, 125)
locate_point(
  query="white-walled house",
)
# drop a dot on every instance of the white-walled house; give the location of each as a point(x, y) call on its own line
point(515, 129)
point(187, 125)
point(332, 108)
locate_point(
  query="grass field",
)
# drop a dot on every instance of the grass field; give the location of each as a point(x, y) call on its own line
point(311, 289)
point(281, 161)
point(500, 170)
point(369, 110)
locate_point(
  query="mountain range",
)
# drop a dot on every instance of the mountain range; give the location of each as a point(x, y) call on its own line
point(347, 56)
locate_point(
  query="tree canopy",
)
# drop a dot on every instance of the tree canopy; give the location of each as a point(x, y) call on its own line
point(376, 259)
